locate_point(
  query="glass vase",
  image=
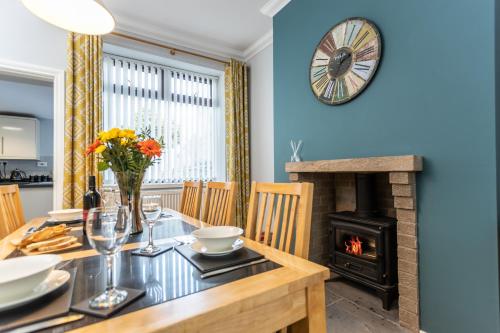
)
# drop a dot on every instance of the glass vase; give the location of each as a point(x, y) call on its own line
point(129, 184)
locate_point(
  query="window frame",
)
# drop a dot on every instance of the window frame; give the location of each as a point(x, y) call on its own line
point(184, 66)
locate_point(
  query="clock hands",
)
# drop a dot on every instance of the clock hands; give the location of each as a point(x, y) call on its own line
point(338, 61)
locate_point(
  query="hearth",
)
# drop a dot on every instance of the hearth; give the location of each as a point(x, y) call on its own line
point(363, 245)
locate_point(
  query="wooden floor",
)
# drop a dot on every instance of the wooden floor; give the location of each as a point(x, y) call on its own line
point(351, 308)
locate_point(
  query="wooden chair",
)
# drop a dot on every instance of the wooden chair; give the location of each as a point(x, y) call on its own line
point(11, 210)
point(191, 199)
point(279, 214)
point(219, 204)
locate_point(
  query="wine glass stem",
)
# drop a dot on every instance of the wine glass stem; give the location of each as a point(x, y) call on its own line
point(150, 226)
point(110, 258)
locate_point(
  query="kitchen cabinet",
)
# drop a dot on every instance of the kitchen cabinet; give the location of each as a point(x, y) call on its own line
point(19, 138)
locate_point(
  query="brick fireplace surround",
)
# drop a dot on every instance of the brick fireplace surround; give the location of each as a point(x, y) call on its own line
point(334, 190)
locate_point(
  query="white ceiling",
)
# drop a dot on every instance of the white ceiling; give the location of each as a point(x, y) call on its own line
point(221, 27)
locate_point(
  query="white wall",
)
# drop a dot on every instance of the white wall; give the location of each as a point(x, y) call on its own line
point(261, 116)
point(26, 38)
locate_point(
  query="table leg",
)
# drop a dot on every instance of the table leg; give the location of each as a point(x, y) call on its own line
point(315, 322)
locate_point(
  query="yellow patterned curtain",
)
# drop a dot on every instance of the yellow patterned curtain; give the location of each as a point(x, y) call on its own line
point(237, 135)
point(83, 114)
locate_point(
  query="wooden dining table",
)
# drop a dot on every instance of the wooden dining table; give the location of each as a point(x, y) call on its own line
point(290, 295)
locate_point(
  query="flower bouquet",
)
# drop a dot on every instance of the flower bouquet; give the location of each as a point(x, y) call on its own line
point(128, 155)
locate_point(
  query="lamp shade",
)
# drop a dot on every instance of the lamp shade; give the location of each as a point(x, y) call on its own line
point(83, 16)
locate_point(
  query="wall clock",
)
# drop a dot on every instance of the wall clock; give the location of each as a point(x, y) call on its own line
point(345, 61)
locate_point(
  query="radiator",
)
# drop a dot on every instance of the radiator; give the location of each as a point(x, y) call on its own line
point(171, 198)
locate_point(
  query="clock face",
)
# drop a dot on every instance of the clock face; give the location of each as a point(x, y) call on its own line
point(345, 61)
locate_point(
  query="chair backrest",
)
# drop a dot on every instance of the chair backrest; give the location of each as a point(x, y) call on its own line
point(191, 199)
point(219, 203)
point(11, 210)
point(280, 214)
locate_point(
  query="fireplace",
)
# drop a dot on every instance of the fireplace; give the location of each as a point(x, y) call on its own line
point(363, 244)
point(335, 192)
point(364, 250)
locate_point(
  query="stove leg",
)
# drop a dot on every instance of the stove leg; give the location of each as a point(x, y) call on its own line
point(387, 299)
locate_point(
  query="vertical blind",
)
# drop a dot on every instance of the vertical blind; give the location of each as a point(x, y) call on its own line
point(181, 106)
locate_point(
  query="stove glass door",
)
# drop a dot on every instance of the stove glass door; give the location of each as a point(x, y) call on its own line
point(356, 244)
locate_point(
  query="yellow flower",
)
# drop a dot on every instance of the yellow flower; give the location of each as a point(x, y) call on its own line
point(102, 136)
point(100, 149)
point(113, 133)
point(127, 133)
point(123, 141)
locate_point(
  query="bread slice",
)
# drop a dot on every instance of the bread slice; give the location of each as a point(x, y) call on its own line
point(50, 242)
point(58, 246)
point(45, 234)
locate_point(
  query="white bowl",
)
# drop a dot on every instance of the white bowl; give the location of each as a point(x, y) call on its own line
point(19, 276)
point(217, 239)
point(66, 214)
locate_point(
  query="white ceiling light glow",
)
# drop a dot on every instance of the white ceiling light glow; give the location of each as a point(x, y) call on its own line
point(83, 16)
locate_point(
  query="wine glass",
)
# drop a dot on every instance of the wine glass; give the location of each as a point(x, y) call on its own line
point(151, 207)
point(109, 196)
point(107, 230)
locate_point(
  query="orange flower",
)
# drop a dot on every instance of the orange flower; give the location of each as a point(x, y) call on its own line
point(92, 147)
point(149, 148)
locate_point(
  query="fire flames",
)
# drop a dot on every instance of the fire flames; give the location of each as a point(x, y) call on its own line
point(353, 246)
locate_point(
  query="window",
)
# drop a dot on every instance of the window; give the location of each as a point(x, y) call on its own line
point(180, 105)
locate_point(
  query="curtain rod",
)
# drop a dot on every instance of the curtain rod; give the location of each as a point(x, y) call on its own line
point(173, 50)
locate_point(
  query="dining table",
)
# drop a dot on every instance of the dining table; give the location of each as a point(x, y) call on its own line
point(286, 291)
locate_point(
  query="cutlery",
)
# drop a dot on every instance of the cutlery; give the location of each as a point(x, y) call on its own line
point(232, 268)
point(48, 323)
point(30, 231)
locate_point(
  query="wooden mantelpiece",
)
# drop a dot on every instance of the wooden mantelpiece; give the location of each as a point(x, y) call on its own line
point(404, 163)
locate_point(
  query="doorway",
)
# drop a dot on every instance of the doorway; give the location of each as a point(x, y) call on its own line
point(51, 123)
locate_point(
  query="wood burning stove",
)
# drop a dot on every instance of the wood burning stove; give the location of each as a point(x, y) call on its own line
point(363, 245)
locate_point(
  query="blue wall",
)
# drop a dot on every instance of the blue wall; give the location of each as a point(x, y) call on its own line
point(434, 96)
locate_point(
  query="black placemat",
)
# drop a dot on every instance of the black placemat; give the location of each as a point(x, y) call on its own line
point(207, 264)
point(161, 249)
point(49, 306)
point(83, 306)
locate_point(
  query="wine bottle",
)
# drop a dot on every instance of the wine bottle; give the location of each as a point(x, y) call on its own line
point(91, 199)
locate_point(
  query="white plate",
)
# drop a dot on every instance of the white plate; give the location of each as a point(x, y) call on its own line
point(199, 248)
point(55, 280)
point(66, 214)
point(68, 221)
